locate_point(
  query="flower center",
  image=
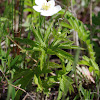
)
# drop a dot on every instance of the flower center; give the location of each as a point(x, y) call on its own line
point(46, 6)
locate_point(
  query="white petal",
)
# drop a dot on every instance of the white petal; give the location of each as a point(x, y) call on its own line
point(57, 9)
point(46, 12)
point(37, 8)
point(51, 11)
point(52, 3)
point(40, 2)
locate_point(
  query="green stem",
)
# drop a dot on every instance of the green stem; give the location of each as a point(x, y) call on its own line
point(47, 65)
point(44, 26)
point(74, 69)
point(12, 16)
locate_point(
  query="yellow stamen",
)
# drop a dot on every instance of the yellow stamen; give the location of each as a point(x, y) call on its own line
point(45, 6)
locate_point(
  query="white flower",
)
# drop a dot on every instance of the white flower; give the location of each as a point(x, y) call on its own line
point(46, 8)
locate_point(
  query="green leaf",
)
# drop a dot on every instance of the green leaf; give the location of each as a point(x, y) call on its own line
point(52, 79)
point(37, 81)
point(54, 65)
point(38, 37)
point(23, 82)
point(96, 19)
point(60, 53)
point(27, 41)
point(79, 27)
point(83, 62)
point(63, 54)
point(69, 67)
point(59, 94)
point(14, 61)
point(95, 65)
point(11, 91)
point(65, 25)
point(91, 63)
point(42, 59)
point(42, 56)
point(48, 32)
point(1, 68)
point(68, 46)
point(50, 51)
point(28, 9)
point(3, 19)
point(76, 97)
point(91, 69)
point(20, 73)
point(66, 84)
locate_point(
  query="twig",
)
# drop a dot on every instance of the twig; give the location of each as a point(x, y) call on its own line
point(75, 34)
point(72, 6)
point(60, 3)
point(16, 86)
point(95, 93)
point(98, 89)
point(91, 19)
point(65, 12)
point(14, 42)
point(91, 12)
point(53, 74)
point(66, 8)
point(25, 97)
point(21, 48)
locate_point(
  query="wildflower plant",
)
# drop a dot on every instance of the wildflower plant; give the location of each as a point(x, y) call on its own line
point(48, 42)
point(51, 28)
